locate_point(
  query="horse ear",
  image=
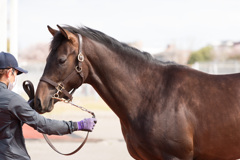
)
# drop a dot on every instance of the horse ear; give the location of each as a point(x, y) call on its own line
point(52, 31)
point(70, 36)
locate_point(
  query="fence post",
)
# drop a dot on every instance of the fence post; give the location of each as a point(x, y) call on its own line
point(3, 26)
point(14, 28)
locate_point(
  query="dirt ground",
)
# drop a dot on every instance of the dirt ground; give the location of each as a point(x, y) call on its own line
point(104, 143)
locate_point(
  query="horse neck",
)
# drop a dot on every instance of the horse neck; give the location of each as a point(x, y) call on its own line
point(118, 78)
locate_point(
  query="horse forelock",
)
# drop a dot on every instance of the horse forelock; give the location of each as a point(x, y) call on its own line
point(56, 42)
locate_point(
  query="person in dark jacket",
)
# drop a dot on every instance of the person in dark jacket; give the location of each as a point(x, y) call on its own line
point(15, 111)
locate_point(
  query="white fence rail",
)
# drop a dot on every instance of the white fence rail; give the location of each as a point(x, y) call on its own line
point(227, 67)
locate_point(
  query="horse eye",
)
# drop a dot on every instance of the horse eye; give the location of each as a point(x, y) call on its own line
point(62, 60)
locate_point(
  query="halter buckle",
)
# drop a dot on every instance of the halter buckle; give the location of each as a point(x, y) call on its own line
point(60, 87)
point(78, 69)
point(80, 57)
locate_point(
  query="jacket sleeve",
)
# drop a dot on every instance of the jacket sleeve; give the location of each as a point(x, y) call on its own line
point(22, 111)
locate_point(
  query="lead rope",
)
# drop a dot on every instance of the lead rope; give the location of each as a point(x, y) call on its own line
point(65, 154)
point(82, 144)
point(70, 102)
point(29, 89)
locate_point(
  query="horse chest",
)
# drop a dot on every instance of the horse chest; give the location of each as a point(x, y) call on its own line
point(139, 144)
point(135, 148)
point(159, 139)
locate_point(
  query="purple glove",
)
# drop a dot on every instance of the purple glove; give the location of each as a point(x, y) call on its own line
point(87, 124)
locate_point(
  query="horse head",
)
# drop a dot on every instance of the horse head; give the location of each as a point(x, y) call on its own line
point(63, 72)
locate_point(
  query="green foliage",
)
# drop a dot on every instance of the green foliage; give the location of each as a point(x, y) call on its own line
point(204, 54)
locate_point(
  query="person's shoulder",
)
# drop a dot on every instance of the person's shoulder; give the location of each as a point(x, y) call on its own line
point(7, 94)
point(15, 97)
point(17, 103)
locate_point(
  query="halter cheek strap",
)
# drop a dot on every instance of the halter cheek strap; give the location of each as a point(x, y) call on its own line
point(78, 68)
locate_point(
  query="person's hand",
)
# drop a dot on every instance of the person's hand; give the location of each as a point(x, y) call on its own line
point(87, 124)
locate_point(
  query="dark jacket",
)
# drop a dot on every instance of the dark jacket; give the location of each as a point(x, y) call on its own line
point(14, 112)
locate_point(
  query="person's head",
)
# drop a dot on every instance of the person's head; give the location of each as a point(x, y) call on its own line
point(9, 69)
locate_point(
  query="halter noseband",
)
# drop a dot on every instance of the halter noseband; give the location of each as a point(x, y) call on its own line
point(78, 70)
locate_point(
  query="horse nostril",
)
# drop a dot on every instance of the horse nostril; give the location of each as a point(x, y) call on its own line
point(38, 106)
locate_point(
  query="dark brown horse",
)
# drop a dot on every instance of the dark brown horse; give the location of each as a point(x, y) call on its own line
point(167, 111)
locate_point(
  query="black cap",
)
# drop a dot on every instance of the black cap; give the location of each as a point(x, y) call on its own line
point(7, 60)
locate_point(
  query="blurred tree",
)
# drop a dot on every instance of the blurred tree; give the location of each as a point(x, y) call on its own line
point(203, 54)
point(234, 57)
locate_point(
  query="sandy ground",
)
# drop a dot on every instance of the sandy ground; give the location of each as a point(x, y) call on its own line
point(104, 143)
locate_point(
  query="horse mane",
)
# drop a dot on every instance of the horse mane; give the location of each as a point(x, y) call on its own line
point(104, 39)
point(107, 41)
